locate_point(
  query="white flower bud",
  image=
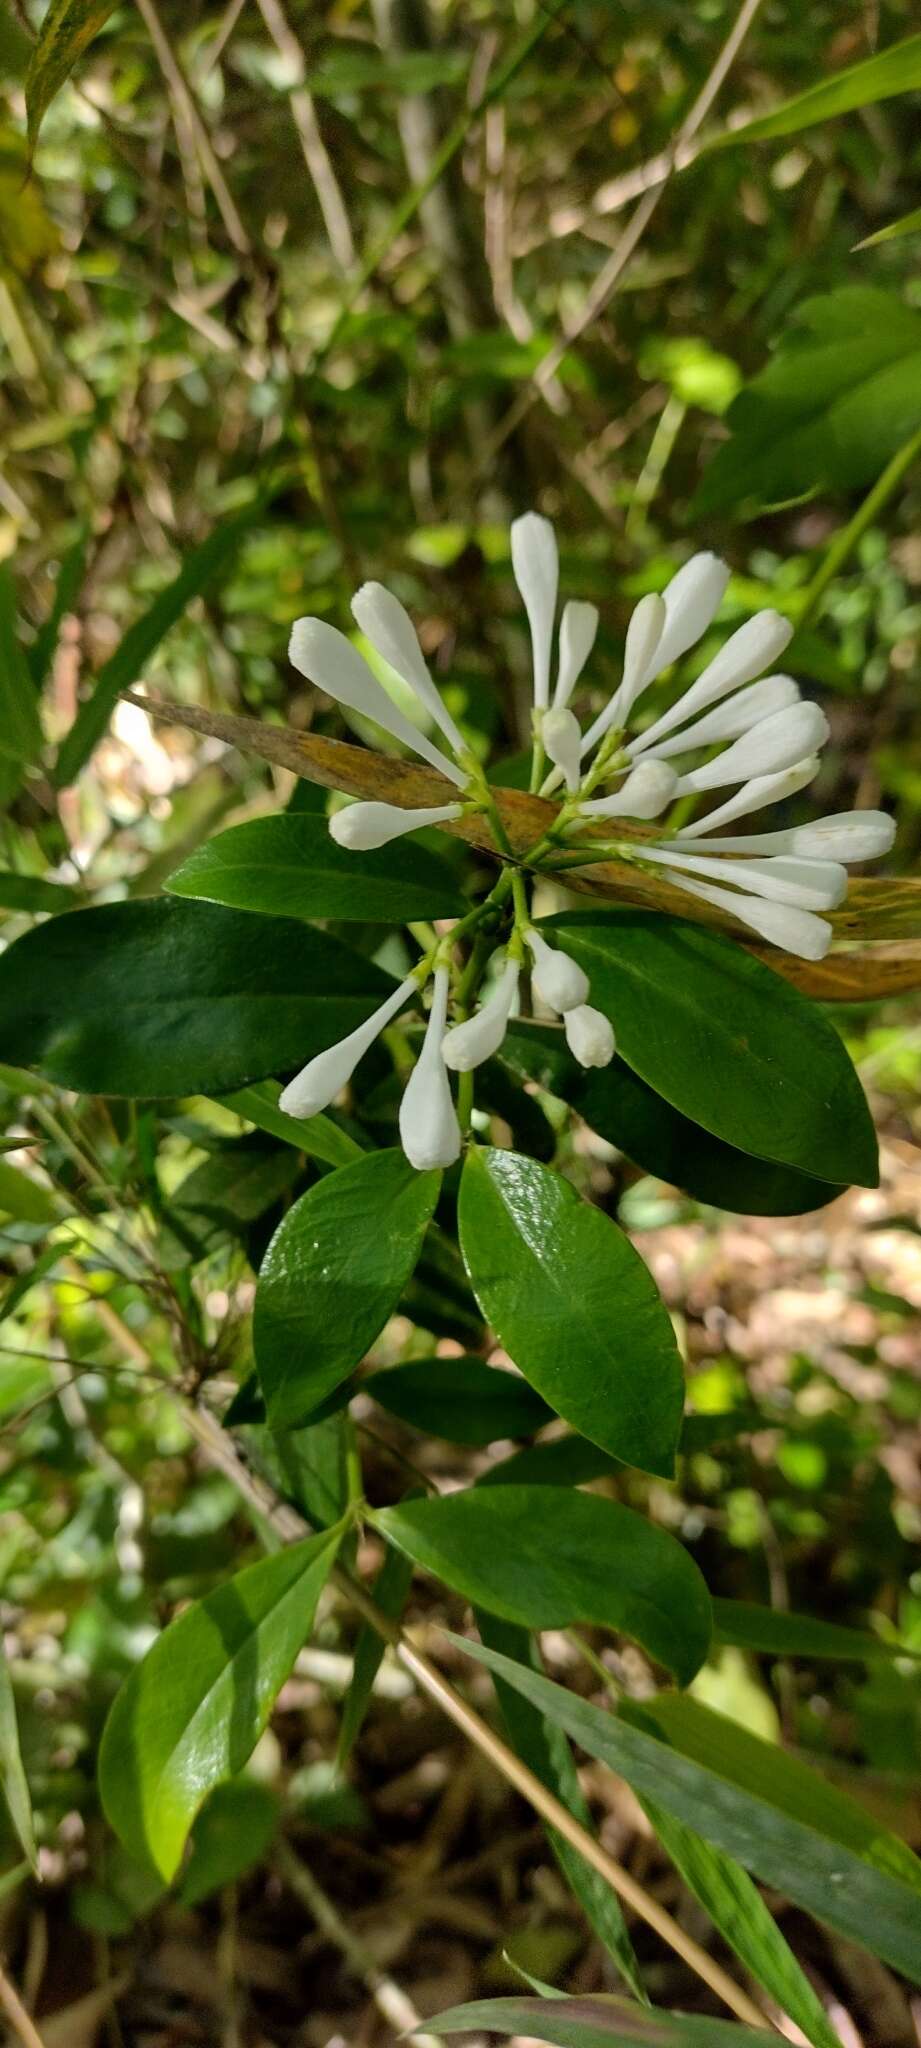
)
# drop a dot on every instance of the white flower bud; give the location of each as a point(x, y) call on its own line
point(429, 1131)
point(807, 884)
point(589, 1036)
point(387, 624)
point(643, 635)
point(559, 981)
point(329, 660)
point(474, 1041)
point(747, 652)
point(737, 714)
point(794, 931)
point(777, 743)
point(317, 1084)
point(756, 794)
point(536, 566)
point(848, 836)
point(578, 627)
point(561, 737)
point(692, 601)
point(364, 826)
point(648, 788)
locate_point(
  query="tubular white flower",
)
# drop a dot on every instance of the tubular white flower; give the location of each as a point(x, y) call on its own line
point(754, 796)
point(589, 1036)
point(387, 624)
point(806, 884)
point(847, 836)
point(794, 931)
point(364, 826)
point(736, 714)
point(559, 981)
point(536, 565)
point(692, 600)
point(429, 1131)
point(749, 650)
point(643, 636)
point(648, 788)
point(317, 1084)
point(578, 627)
point(777, 743)
point(559, 731)
point(474, 1041)
point(324, 655)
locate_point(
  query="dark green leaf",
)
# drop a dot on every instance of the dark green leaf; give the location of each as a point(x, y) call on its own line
point(630, 1115)
point(892, 71)
point(544, 1748)
point(594, 2023)
point(31, 892)
point(305, 1466)
point(574, 1306)
point(460, 1399)
point(288, 866)
point(66, 31)
point(726, 1041)
point(191, 1714)
point(333, 1273)
point(170, 998)
point(20, 730)
point(199, 569)
point(775, 1816)
point(909, 224)
point(841, 396)
point(238, 1183)
point(779, 1634)
point(66, 592)
point(12, 1775)
point(546, 1557)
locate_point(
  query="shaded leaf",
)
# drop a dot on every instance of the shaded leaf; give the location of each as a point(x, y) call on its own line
point(12, 1774)
point(546, 1557)
point(779, 1634)
point(910, 224)
point(594, 2023)
point(233, 1833)
point(20, 728)
point(460, 1399)
point(288, 866)
point(780, 1820)
point(319, 1136)
point(389, 1593)
point(192, 1712)
point(726, 1041)
point(890, 72)
point(574, 1306)
point(170, 998)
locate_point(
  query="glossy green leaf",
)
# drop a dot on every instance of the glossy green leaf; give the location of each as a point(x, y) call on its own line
point(288, 866)
point(545, 1749)
point(12, 1774)
point(20, 730)
point(389, 1593)
point(334, 1271)
point(737, 1909)
point(233, 1833)
point(574, 1306)
point(726, 1041)
point(200, 568)
point(839, 398)
point(629, 1114)
point(305, 1466)
point(890, 72)
point(460, 1399)
point(594, 2023)
point(192, 1712)
point(319, 1136)
point(546, 1557)
point(779, 1819)
point(779, 1634)
point(67, 29)
point(171, 998)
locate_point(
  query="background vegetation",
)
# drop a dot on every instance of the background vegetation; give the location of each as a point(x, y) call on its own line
point(292, 297)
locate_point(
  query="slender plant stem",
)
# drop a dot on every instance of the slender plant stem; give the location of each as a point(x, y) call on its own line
point(21, 2022)
point(289, 1525)
point(845, 541)
point(392, 2003)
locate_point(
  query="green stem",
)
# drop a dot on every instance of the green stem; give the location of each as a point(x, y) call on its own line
point(845, 541)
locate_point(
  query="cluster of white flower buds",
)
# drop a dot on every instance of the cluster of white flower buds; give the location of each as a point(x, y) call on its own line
point(735, 727)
